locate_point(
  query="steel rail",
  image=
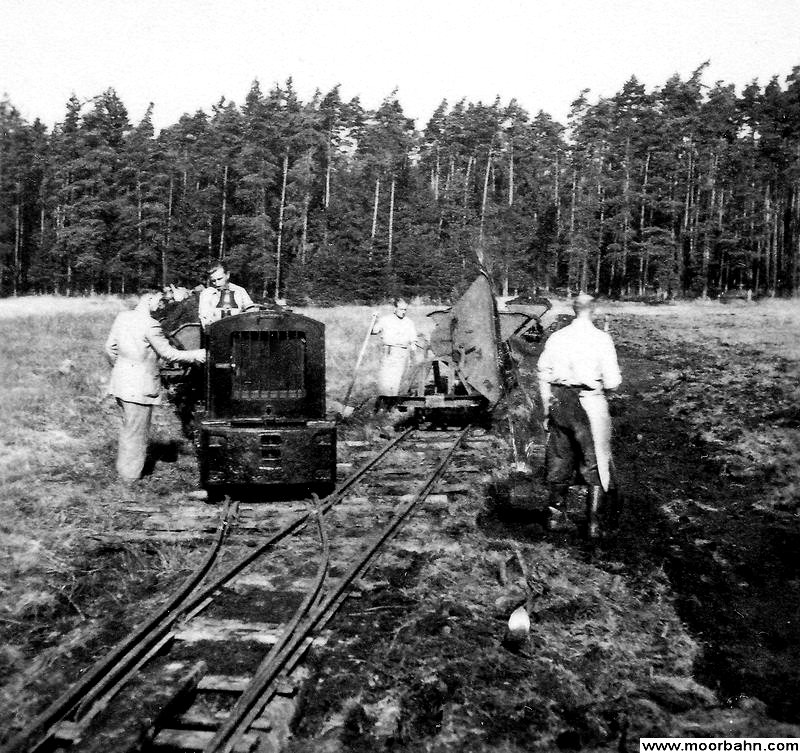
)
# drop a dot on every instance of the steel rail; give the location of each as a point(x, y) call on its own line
point(117, 662)
point(255, 696)
point(311, 597)
point(104, 672)
point(325, 505)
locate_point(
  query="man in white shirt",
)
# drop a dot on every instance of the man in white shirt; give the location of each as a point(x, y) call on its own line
point(398, 338)
point(223, 298)
point(578, 364)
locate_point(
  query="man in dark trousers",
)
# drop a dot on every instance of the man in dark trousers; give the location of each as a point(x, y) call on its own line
point(577, 366)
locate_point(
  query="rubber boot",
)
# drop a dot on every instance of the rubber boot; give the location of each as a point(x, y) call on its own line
point(557, 520)
point(594, 501)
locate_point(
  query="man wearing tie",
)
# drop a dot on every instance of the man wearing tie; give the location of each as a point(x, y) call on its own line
point(223, 298)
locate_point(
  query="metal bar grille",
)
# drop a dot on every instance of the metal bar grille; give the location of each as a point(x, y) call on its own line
point(269, 364)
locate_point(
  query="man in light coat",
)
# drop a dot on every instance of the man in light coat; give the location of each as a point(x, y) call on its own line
point(223, 298)
point(399, 339)
point(134, 345)
point(577, 366)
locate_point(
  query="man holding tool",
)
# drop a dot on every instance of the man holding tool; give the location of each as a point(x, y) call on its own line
point(398, 338)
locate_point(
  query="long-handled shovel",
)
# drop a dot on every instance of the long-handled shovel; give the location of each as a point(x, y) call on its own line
point(347, 409)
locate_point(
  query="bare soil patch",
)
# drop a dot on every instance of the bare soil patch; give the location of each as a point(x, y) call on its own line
point(709, 449)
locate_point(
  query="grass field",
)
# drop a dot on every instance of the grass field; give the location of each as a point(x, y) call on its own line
point(708, 430)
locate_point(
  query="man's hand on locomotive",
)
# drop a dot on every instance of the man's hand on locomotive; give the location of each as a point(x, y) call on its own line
point(197, 356)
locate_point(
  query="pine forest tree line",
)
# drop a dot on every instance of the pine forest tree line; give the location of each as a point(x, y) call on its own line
point(686, 188)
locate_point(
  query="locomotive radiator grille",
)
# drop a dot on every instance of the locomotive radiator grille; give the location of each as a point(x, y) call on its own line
point(269, 364)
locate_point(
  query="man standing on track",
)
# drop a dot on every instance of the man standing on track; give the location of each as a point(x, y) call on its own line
point(577, 366)
point(222, 298)
point(134, 344)
point(398, 338)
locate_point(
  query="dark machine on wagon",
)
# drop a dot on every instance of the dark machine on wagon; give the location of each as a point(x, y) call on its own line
point(262, 423)
point(469, 366)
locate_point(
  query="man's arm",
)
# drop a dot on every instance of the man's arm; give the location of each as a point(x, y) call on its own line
point(612, 378)
point(112, 346)
point(412, 334)
point(155, 336)
point(247, 302)
point(544, 371)
point(413, 342)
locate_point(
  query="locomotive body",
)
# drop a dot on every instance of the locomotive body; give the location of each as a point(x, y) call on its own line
point(264, 424)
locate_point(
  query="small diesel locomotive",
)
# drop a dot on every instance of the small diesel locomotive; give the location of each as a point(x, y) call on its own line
point(263, 426)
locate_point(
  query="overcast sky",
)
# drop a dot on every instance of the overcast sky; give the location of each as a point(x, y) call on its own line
point(183, 55)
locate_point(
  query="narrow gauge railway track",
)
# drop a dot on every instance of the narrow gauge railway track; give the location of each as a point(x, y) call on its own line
point(338, 554)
